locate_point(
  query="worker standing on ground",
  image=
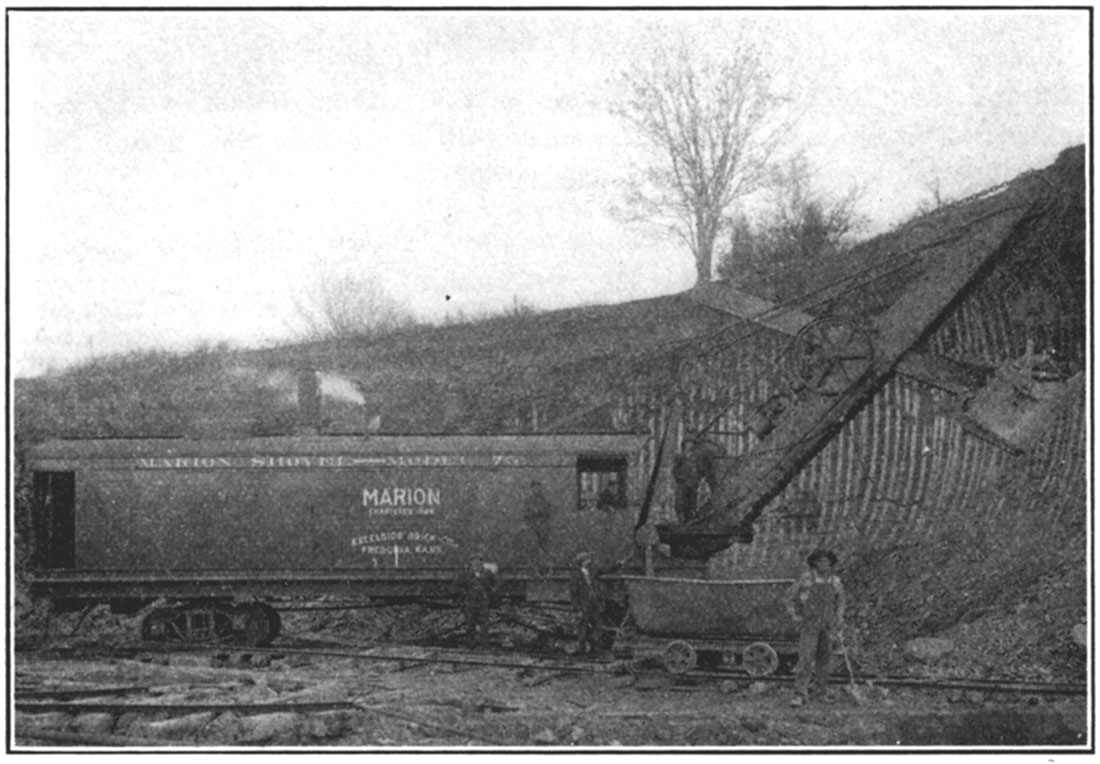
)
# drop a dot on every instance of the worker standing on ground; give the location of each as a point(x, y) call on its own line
point(476, 585)
point(586, 594)
point(816, 602)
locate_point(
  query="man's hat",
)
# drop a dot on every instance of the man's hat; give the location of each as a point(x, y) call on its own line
point(819, 554)
point(582, 557)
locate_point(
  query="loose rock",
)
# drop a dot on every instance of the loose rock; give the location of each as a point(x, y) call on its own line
point(224, 730)
point(278, 728)
point(929, 649)
point(328, 724)
point(188, 660)
point(754, 725)
point(94, 724)
point(545, 737)
point(56, 720)
point(175, 728)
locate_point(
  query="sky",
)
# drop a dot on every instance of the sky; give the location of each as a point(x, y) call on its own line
point(180, 178)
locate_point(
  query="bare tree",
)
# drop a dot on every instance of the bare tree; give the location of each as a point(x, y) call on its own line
point(714, 125)
point(348, 305)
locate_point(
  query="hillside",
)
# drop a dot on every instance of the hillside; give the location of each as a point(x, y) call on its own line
point(514, 372)
point(475, 377)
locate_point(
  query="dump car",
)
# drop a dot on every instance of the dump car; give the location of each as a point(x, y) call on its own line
point(695, 622)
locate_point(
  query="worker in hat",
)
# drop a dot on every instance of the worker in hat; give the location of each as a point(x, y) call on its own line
point(695, 470)
point(587, 594)
point(476, 586)
point(816, 603)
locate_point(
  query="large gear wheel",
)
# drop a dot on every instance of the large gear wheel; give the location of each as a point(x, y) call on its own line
point(830, 355)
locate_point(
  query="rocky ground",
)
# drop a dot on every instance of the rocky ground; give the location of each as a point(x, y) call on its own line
point(386, 704)
point(450, 705)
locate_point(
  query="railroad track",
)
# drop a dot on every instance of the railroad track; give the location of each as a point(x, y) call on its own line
point(142, 701)
point(160, 708)
point(408, 656)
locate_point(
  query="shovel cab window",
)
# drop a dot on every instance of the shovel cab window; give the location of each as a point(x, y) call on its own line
point(601, 483)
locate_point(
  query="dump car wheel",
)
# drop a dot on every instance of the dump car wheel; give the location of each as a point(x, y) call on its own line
point(679, 657)
point(830, 355)
point(760, 659)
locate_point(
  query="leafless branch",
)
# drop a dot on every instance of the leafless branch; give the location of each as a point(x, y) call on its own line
point(715, 124)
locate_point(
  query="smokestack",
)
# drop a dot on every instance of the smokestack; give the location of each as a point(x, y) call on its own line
point(309, 401)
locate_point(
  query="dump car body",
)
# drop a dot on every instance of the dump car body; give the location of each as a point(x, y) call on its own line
point(687, 622)
point(688, 607)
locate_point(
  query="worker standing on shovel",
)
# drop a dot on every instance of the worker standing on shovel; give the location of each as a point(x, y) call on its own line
point(816, 603)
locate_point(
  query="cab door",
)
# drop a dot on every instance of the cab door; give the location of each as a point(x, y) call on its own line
point(54, 519)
